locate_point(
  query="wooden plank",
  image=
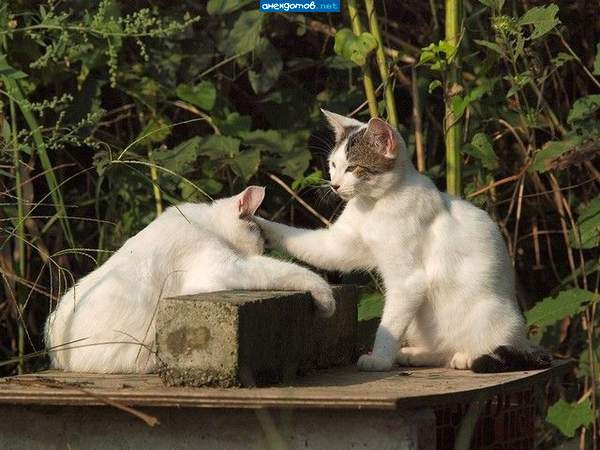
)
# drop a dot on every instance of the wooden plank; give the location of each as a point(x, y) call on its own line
point(344, 388)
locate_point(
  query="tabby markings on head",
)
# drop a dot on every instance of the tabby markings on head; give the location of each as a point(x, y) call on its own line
point(363, 159)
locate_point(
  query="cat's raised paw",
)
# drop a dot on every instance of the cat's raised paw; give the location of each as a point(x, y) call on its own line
point(374, 363)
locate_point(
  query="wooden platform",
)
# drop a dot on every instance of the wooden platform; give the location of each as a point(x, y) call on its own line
point(343, 388)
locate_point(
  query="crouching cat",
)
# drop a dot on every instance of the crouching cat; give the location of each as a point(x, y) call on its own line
point(449, 282)
point(106, 322)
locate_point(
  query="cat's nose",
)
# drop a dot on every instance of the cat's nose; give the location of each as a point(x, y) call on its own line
point(335, 187)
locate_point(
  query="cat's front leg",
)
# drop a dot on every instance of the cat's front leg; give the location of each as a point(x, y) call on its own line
point(262, 272)
point(403, 298)
point(337, 248)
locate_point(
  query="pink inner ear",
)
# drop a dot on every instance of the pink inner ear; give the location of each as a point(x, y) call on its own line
point(384, 135)
point(250, 199)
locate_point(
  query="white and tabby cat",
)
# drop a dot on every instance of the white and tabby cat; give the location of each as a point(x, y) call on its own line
point(449, 282)
point(105, 323)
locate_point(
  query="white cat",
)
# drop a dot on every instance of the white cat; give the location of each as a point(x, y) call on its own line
point(105, 323)
point(449, 282)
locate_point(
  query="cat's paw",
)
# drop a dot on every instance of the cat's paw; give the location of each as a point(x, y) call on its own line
point(267, 233)
point(324, 301)
point(461, 361)
point(404, 356)
point(374, 363)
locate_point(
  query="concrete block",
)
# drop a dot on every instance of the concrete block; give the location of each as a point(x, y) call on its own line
point(248, 338)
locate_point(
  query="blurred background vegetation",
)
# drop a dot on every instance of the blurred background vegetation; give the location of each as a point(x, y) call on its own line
point(111, 111)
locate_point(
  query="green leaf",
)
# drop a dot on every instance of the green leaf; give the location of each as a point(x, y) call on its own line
point(9, 72)
point(458, 105)
point(270, 140)
point(234, 124)
point(568, 417)
point(433, 85)
point(370, 306)
point(313, 179)
point(267, 68)
point(438, 56)
point(597, 60)
point(583, 108)
point(294, 164)
point(202, 95)
point(543, 19)
point(550, 310)
point(191, 194)
point(481, 148)
point(551, 151)
point(494, 4)
point(245, 34)
point(338, 62)
point(181, 158)
point(225, 6)
point(246, 163)
point(584, 366)
point(518, 82)
point(156, 130)
point(491, 45)
point(561, 59)
point(588, 225)
point(428, 54)
point(354, 48)
point(219, 147)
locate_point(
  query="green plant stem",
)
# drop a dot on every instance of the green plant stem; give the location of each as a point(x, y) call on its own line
point(452, 125)
point(367, 76)
point(20, 231)
point(155, 186)
point(390, 102)
point(14, 88)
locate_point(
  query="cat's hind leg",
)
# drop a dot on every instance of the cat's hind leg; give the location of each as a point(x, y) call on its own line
point(421, 357)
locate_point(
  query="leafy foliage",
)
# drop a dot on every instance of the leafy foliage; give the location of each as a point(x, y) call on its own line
point(370, 306)
point(550, 310)
point(587, 234)
point(543, 19)
point(354, 48)
point(568, 417)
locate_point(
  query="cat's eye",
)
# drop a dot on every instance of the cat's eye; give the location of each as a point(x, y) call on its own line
point(351, 168)
point(332, 164)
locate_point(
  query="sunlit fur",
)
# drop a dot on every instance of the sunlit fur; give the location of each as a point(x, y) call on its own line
point(105, 323)
point(449, 282)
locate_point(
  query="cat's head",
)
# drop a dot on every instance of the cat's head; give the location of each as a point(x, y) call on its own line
point(237, 220)
point(365, 157)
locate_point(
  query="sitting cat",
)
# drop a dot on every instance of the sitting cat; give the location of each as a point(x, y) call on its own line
point(449, 282)
point(105, 323)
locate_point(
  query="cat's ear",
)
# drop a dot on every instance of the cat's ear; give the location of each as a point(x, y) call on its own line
point(382, 138)
point(340, 124)
point(249, 200)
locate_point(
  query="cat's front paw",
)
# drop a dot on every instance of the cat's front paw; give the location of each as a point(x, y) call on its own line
point(268, 234)
point(374, 363)
point(324, 301)
point(461, 361)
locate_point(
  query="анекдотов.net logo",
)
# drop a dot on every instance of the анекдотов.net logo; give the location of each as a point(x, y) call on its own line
point(304, 6)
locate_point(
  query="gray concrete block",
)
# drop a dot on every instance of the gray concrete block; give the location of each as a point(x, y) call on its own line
point(247, 338)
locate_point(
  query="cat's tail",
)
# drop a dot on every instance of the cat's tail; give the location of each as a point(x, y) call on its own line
point(509, 359)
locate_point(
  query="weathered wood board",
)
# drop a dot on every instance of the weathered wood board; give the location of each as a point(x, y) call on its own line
point(341, 388)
